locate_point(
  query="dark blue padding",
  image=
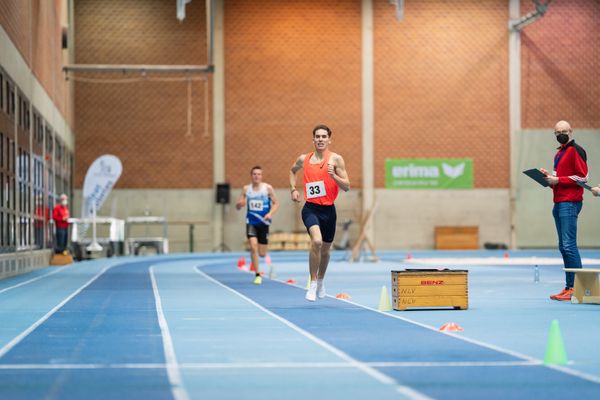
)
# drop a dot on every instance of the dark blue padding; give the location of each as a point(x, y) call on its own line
point(495, 383)
point(111, 321)
point(78, 384)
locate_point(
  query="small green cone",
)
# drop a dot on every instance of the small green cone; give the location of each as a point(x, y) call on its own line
point(555, 348)
point(384, 300)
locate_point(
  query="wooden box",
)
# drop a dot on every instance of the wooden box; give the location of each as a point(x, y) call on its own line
point(61, 259)
point(456, 237)
point(428, 288)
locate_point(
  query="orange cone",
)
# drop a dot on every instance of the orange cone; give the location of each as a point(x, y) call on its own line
point(451, 327)
point(241, 262)
point(506, 254)
point(343, 296)
point(291, 281)
point(408, 256)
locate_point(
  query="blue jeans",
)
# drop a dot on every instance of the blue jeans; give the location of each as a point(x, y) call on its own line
point(62, 235)
point(565, 217)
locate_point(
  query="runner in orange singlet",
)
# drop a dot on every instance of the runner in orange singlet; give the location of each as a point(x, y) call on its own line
point(324, 174)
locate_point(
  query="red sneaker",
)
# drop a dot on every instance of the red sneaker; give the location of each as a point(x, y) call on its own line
point(566, 296)
point(554, 296)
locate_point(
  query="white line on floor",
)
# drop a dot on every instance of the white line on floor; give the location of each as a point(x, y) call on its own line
point(271, 365)
point(353, 362)
point(177, 388)
point(7, 347)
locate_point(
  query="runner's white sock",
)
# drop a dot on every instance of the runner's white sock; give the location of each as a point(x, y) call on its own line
point(320, 288)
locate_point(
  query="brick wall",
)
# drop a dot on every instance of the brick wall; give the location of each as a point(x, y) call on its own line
point(290, 65)
point(560, 61)
point(34, 27)
point(142, 120)
point(441, 85)
point(15, 18)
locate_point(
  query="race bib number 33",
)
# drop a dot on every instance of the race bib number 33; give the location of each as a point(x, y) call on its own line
point(315, 189)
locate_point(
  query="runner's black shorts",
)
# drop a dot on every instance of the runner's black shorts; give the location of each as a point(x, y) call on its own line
point(260, 232)
point(324, 216)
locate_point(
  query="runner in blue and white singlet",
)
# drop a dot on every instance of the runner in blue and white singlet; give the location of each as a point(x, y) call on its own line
point(261, 203)
point(258, 203)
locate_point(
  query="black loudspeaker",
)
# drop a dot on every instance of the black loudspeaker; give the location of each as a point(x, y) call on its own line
point(223, 190)
point(64, 38)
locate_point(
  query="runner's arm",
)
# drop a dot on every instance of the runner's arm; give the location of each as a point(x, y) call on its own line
point(297, 166)
point(274, 203)
point(337, 171)
point(242, 200)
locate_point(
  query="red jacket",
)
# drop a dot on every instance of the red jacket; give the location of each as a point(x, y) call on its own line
point(60, 215)
point(570, 166)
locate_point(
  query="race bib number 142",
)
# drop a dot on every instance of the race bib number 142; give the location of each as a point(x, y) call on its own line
point(255, 205)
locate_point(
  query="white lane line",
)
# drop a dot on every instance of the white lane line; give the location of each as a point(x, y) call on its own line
point(355, 363)
point(496, 261)
point(374, 364)
point(412, 393)
point(271, 365)
point(6, 289)
point(177, 388)
point(7, 347)
point(82, 366)
point(582, 375)
point(532, 360)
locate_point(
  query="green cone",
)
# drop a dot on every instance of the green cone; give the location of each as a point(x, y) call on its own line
point(555, 348)
point(384, 300)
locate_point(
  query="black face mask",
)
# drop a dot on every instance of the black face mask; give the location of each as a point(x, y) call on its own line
point(562, 138)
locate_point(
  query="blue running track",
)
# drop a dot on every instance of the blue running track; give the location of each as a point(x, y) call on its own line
point(195, 327)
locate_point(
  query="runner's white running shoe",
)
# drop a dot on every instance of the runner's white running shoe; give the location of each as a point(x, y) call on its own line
point(311, 293)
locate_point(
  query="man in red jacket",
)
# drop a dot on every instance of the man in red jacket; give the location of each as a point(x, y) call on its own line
point(570, 167)
point(60, 215)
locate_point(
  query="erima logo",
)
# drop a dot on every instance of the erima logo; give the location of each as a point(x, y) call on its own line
point(453, 172)
point(415, 171)
point(432, 171)
point(432, 282)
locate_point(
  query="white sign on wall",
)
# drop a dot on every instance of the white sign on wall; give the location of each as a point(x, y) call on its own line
point(99, 181)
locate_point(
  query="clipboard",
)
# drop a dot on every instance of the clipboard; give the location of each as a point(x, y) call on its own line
point(584, 185)
point(537, 176)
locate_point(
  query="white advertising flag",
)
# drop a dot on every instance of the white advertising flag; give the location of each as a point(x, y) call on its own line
point(99, 181)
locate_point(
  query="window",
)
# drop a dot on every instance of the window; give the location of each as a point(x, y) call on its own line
point(41, 215)
point(32, 174)
point(24, 185)
point(2, 90)
point(8, 206)
point(38, 129)
point(10, 97)
point(23, 108)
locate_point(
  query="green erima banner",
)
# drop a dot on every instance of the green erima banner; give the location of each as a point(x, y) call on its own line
point(429, 173)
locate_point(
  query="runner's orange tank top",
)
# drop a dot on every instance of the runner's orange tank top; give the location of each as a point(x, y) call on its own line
point(319, 187)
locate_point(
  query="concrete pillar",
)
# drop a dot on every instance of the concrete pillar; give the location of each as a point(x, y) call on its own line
point(218, 115)
point(368, 181)
point(514, 109)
